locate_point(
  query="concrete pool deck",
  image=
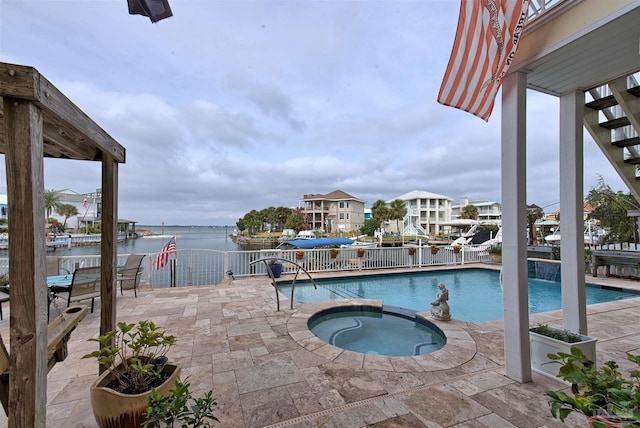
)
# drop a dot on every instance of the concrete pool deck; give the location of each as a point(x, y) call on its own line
point(266, 370)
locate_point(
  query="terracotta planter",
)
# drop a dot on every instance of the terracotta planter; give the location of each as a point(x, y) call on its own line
point(456, 250)
point(113, 409)
point(435, 250)
point(412, 251)
point(299, 256)
point(360, 253)
point(333, 255)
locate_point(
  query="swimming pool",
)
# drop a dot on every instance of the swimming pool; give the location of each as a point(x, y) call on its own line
point(474, 294)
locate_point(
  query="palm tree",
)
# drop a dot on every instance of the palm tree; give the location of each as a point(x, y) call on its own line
point(470, 212)
point(67, 210)
point(398, 210)
point(380, 211)
point(534, 213)
point(51, 202)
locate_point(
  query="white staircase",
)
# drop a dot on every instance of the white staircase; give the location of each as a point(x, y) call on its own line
point(411, 226)
point(613, 120)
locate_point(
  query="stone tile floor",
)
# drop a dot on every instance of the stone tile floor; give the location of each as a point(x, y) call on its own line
point(267, 370)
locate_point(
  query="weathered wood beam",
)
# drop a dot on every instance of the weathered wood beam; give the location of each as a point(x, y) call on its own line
point(108, 246)
point(28, 324)
point(27, 83)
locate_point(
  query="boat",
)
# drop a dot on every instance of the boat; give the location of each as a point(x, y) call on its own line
point(306, 234)
point(592, 235)
point(287, 235)
point(361, 244)
point(482, 237)
point(309, 243)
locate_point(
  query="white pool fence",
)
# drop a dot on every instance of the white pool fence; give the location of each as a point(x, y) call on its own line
point(208, 267)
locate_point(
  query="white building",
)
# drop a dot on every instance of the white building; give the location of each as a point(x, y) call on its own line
point(425, 212)
point(335, 212)
point(487, 210)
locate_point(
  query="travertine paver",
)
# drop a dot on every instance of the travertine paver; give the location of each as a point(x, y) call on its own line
point(268, 370)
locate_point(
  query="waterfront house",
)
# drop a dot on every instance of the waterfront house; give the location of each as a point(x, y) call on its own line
point(335, 212)
point(487, 210)
point(425, 212)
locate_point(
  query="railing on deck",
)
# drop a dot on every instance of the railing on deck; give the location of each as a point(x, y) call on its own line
point(206, 267)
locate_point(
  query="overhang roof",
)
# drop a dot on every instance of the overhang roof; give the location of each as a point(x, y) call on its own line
point(559, 60)
point(68, 132)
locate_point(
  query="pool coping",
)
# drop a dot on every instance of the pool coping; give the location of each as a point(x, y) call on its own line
point(459, 349)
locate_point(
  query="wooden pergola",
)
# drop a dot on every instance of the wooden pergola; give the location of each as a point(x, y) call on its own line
point(37, 121)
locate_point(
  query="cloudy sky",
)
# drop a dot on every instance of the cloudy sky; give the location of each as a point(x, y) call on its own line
point(230, 106)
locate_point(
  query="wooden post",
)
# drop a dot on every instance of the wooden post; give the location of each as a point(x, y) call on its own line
point(25, 190)
point(108, 248)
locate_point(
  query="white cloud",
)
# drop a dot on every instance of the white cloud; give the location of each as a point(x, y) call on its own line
point(230, 106)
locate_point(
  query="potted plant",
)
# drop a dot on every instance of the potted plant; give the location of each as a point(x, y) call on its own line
point(603, 394)
point(587, 259)
point(457, 248)
point(180, 408)
point(333, 253)
point(361, 252)
point(135, 361)
point(545, 340)
point(299, 254)
point(412, 251)
point(275, 267)
point(434, 248)
point(495, 253)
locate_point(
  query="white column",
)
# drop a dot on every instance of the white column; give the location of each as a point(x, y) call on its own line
point(574, 307)
point(514, 244)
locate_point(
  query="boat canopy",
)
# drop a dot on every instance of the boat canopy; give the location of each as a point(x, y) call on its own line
point(319, 242)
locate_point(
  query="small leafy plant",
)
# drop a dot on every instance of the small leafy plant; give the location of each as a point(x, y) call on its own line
point(180, 408)
point(563, 335)
point(602, 393)
point(136, 354)
point(334, 251)
point(495, 249)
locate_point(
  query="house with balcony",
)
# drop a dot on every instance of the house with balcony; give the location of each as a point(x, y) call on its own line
point(425, 212)
point(487, 210)
point(335, 212)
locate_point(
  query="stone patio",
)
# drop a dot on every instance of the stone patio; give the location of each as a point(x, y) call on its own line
point(268, 370)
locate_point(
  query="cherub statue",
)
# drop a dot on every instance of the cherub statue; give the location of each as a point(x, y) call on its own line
point(440, 307)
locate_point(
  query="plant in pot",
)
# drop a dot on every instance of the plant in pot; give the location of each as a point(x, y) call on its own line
point(545, 340)
point(299, 254)
point(412, 251)
point(361, 252)
point(180, 408)
point(457, 248)
point(587, 259)
point(434, 248)
point(275, 267)
point(495, 253)
point(135, 361)
point(333, 253)
point(606, 397)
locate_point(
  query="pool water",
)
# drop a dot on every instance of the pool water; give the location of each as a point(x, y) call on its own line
point(372, 331)
point(474, 294)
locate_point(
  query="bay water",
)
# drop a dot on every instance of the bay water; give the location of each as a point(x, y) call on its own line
point(187, 237)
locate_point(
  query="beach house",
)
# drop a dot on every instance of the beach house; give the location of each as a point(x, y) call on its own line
point(487, 210)
point(335, 212)
point(425, 212)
